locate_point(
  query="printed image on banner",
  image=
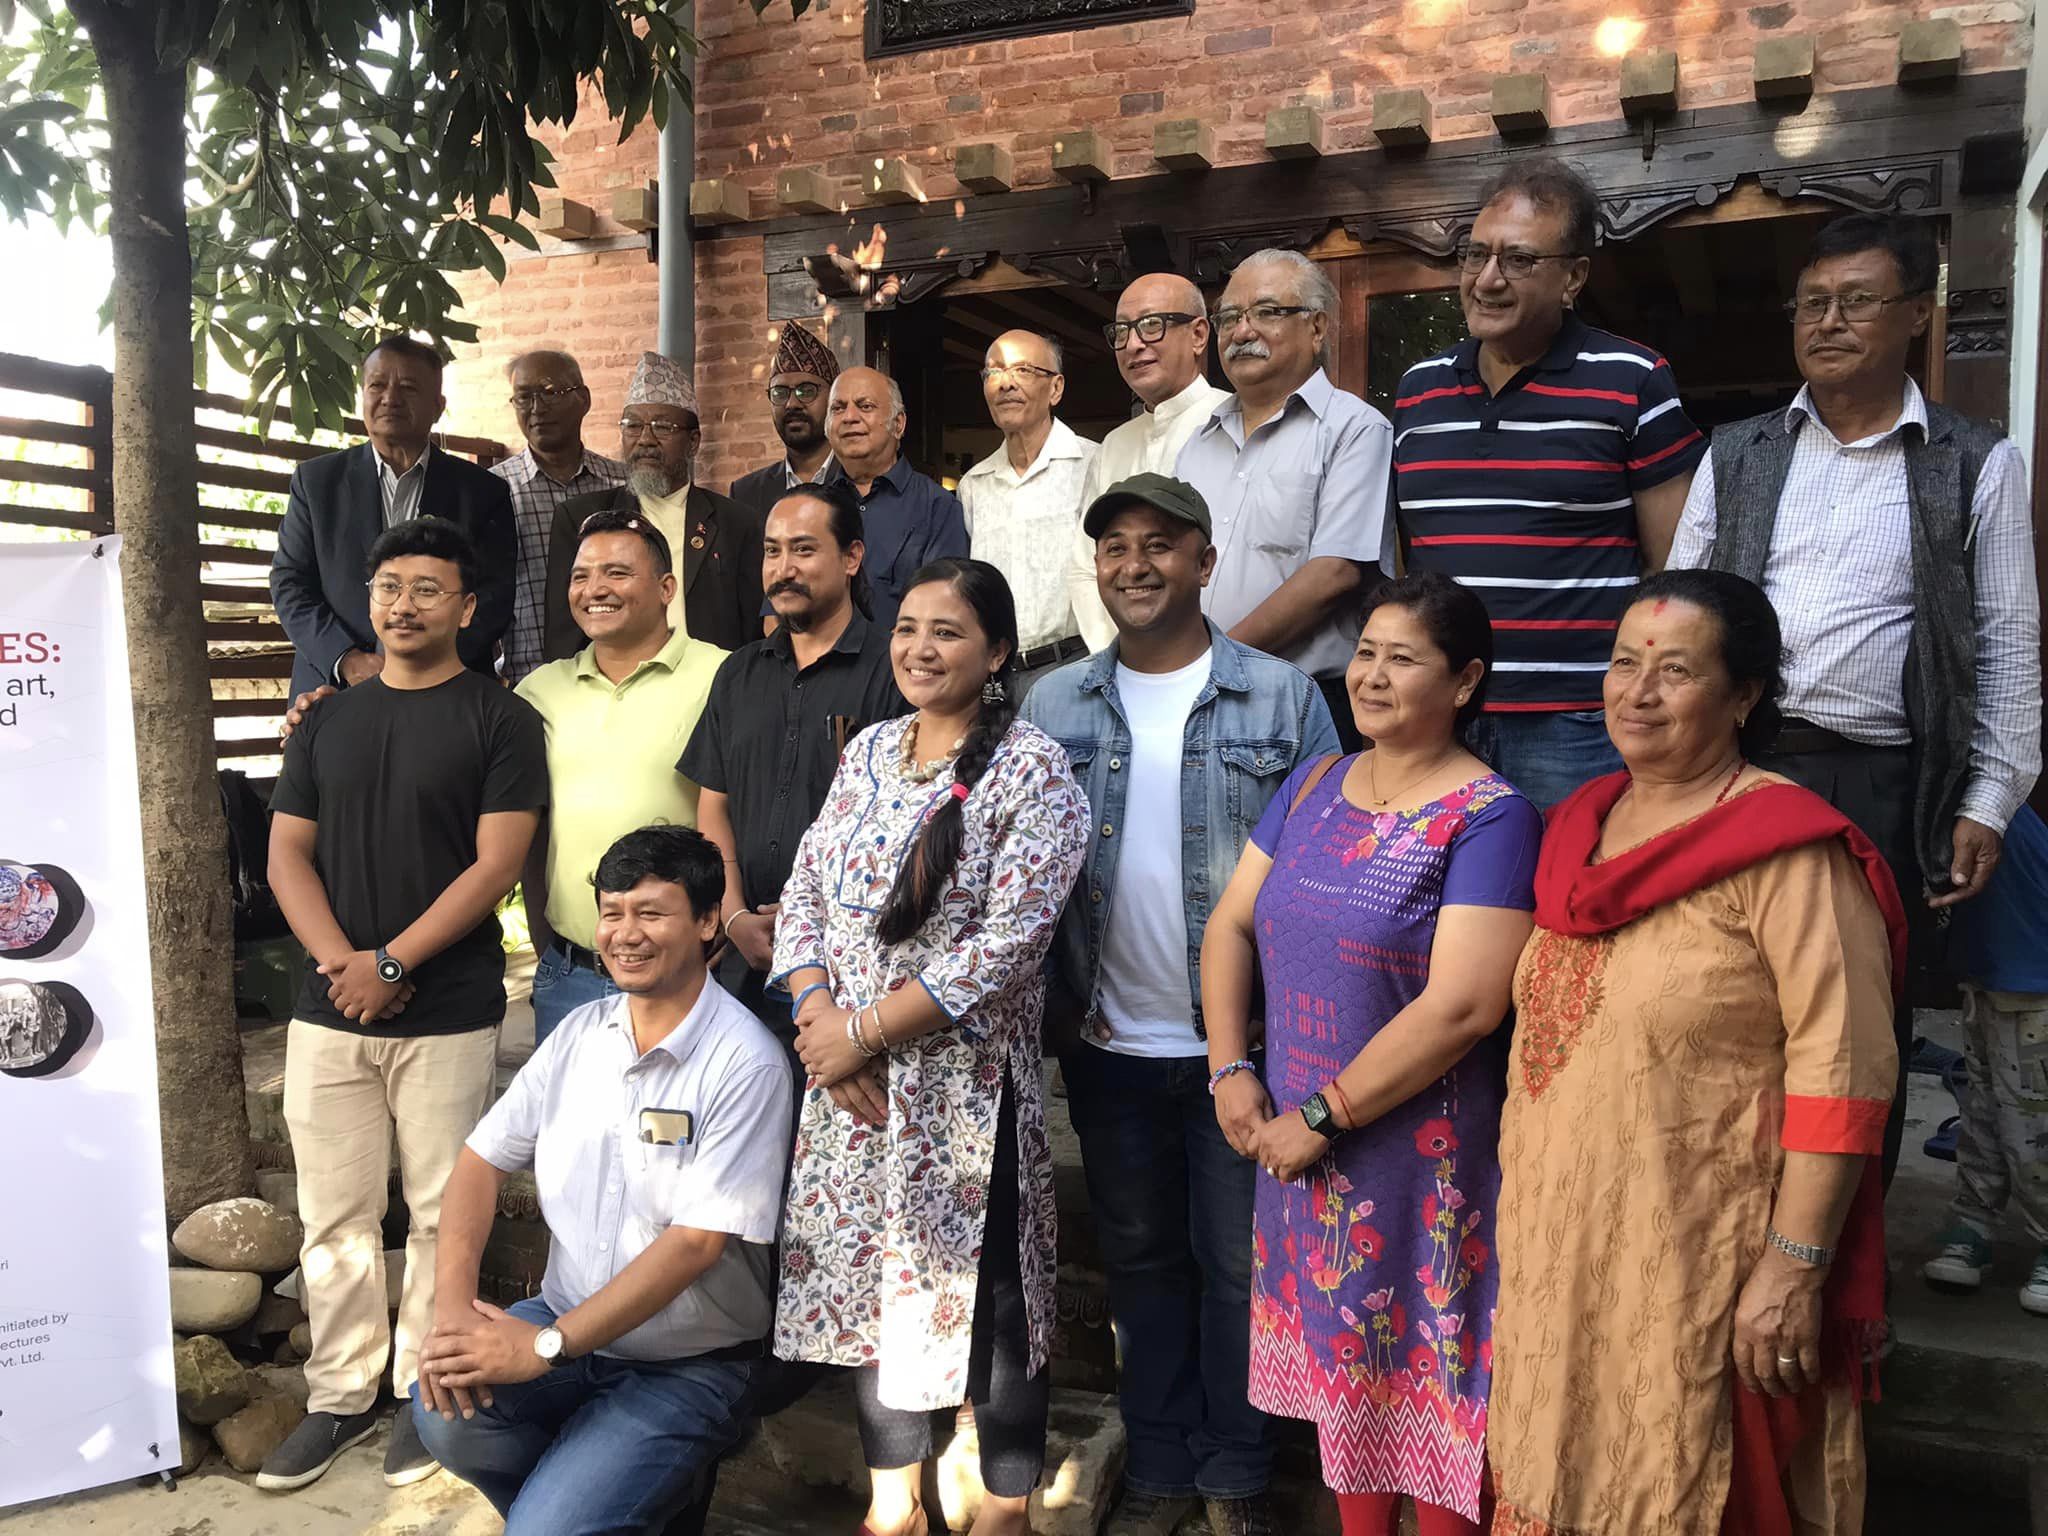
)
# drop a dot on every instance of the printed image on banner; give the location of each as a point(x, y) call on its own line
point(86, 1391)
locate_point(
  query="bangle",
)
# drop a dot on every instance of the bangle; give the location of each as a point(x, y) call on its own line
point(881, 1040)
point(1805, 1253)
point(1350, 1121)
point(725, 923)
point(1227, 1069)
point(854, 1033)
point(816, 986)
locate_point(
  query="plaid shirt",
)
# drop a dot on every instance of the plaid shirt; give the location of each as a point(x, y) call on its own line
point(535, 495)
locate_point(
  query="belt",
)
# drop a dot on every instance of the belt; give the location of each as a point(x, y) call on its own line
point(753, 1349)
point(1052, 654)
point(1805, 736)
point(577, 955)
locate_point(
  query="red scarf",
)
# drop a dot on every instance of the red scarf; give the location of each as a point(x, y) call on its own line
point(1576, 896)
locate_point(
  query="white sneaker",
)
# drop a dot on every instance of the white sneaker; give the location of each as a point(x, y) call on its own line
point(1965, 1255)
point(2034, 1294)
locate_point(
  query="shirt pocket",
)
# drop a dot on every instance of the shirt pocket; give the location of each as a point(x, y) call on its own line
point(654, 1183)
point(1282, 505)
point(1253, 773)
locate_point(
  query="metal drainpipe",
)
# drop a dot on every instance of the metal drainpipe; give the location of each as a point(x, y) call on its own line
point(677, 251)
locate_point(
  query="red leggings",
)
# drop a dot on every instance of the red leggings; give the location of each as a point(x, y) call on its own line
point(1379, 1514)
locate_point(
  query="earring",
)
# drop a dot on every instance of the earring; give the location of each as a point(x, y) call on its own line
point(993, 691)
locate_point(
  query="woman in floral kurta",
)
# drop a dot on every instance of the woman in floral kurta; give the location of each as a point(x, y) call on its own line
point(883, 1237)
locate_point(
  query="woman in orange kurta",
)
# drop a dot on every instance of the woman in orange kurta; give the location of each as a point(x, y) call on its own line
point(1690, 1242)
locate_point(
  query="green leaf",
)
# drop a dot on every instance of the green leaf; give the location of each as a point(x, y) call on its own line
point(511, 229)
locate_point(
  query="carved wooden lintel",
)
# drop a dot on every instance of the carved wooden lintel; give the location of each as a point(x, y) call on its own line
point(1979, 322)
point(1905, 188)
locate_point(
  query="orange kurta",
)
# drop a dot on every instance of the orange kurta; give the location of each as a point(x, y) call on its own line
point(1641, 1150)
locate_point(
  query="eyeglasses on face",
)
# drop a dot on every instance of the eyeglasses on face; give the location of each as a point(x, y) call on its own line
point(1263, 316)
point(526, 400)
point(1147, 328)
point(631, 427)
point(782, 394)
point(1812, 308)
point(1017, 371)
point(426, 595)
point(1515, 263)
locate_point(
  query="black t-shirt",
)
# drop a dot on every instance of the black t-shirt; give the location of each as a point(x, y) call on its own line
point(396, 779)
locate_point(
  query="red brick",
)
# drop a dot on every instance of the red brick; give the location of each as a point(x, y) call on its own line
point(1240, 42)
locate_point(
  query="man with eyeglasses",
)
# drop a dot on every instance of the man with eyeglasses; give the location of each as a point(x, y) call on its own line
point(1294, 471)
point(798, 382)
point(1893, 537)
point(1023, 502)
point(550, 400)
point(718, 541)
point(1543, 463)
point(340, 503)
point(401, 818)
point(1160, 340)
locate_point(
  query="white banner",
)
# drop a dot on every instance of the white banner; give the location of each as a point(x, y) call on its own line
point(86, 1391)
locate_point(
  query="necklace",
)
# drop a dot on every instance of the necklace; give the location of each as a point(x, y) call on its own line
point(1380, 802)
point(1728, 788)
point(906, 755)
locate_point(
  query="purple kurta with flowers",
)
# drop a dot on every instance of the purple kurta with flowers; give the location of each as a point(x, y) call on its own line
point(1373, 1278)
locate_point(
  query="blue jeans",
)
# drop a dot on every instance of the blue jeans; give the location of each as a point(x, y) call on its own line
point(1546, 756)
point(560, 988)
point(1173, 1217)
point(596, 1445)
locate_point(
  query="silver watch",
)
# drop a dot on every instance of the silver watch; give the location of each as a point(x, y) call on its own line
point(548, 1345)
point(1805, 1253)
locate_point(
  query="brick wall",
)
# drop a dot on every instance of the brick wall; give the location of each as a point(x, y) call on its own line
point(774, 93)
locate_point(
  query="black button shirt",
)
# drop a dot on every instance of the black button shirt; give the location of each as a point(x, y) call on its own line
point(770, 737)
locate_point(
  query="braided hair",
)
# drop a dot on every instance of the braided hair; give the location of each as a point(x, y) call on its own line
point(934, 856)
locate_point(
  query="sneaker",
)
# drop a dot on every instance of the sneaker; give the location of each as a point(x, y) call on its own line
point(1241, 1517)
point(1149, 1514)
point(311, 1449)
point(2034, 1294)
point(406, 1459)
point(1965, 1255)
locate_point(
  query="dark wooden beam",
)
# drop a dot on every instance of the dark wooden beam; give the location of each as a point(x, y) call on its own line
point(1034, 313)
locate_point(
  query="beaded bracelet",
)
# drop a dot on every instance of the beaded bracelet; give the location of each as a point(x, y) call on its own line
point(1226, 1070)
point(797, 1007)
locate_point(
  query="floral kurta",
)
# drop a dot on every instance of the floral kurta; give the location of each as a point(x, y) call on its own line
point(882, 1236)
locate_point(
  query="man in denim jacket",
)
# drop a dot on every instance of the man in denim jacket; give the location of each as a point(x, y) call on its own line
point(1181, 736)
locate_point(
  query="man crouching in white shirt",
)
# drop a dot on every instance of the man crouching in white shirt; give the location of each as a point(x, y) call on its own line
point(657, 1124)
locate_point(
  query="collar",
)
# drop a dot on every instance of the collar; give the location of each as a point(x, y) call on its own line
point(852, 639)
point(1314, 392)
point(1226, 664)
point(1559, 357)
point(791, 479)
point(1199, 395)
point(676, 501)
point(523, 467)
point(678, 1043)
point(896, 476)
point(1912, 413)
point(387, 475)
point(668, 658)
point(1061, 442)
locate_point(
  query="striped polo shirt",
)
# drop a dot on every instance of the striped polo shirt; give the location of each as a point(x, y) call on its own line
point(1527, 496)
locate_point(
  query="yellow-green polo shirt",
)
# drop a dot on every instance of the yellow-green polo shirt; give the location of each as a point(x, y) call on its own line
point(612, 754)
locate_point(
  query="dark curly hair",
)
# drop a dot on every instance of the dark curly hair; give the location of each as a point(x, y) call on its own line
point(1752, 644)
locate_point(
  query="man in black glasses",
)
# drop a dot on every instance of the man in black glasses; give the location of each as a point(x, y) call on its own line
point(799, 384)
point(717, 542)
point(1160, 339)
point(1542, 463)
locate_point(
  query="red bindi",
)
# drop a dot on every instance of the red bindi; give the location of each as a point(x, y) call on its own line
point(1651, 641)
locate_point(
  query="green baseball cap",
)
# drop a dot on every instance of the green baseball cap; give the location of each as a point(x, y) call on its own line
point(1176, 498)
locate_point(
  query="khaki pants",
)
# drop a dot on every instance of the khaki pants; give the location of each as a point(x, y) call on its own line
point(343, 1095)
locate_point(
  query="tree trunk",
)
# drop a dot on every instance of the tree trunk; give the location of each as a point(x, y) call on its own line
point(156, 504)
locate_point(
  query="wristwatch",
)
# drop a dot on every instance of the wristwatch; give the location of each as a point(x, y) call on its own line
point(548, 1345)
point(1315, 1111)
point(390, 969)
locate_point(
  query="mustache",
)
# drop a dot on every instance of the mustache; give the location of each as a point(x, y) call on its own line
point(791, 586)
point(1250, 347)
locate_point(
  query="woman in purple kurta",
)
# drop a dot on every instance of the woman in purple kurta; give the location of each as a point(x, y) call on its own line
point(1373, 1274)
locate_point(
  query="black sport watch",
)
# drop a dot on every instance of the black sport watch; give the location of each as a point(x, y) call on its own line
point(390, 969)
point(1315, 1112)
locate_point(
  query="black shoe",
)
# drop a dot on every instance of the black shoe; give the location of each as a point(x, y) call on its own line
point(310, 1449)
point(1241, 1517)
point(406, 1459)
point(1148, 1514)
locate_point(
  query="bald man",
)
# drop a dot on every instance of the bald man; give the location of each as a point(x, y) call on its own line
point(909, 518)
point(1024, 500)
point(1161, 341)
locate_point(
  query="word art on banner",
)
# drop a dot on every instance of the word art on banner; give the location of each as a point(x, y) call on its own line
point(86, 1391)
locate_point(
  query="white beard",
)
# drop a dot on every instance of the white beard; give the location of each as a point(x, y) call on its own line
point(648, 481)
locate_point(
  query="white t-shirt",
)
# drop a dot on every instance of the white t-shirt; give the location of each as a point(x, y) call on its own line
point(1143, 988)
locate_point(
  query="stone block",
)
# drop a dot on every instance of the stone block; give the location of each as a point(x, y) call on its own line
point(1402, 118)
point(276, 1315)
point(279, 1186)
point(1521, 102)
point(211, 1383)
point(984, 168)
point(246, 1438)
point(1649, 82)
point(1294, 133)
point(1184, 144)
point(240, 1234)
point(194, 1446)
point(284, 1381)
point(637, 208)
point(720, 200)
point(806, 189)
point(1784, 67)
point(301, 1341)
point(565, 218)
point(1931, 50)
point(1080, 155)
point(213, 1300)
point(893, 181)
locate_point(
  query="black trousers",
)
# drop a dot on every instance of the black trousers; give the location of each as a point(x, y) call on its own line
point(1873, 787)
point(1010, 1406)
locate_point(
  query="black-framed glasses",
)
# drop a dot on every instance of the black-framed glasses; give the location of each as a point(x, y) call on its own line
point(782, 394)
point(1263, 316)
point(630, 427)
point(525, 400)
point(1812, 308)
point(1515, 264)
point(426, 595)
point(1017, 371)
point(1147, 328)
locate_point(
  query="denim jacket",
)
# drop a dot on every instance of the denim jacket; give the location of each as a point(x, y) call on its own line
point(1254, 720)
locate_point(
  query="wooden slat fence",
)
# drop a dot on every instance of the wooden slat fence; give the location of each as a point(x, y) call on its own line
point(56, 481)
